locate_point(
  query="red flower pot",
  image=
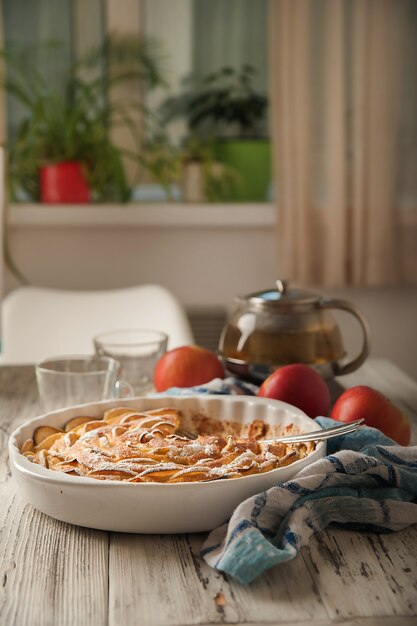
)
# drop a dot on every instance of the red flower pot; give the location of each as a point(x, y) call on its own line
point(64, 183)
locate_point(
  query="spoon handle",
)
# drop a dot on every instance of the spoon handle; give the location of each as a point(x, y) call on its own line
point(318, 435)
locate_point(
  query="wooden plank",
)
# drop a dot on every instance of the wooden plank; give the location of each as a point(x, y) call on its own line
point(369, 574)
point(162, 576)
point(392, 382)
point(51, 573)
point(18, 403)
point(168, 580)
point(361, 621)
point(285, 592)
point(365, 574)
point(387, 378)
point(399, 387)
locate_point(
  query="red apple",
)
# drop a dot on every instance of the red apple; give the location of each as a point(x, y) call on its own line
point(299, 385)
point(376, 409)
point(185, 367)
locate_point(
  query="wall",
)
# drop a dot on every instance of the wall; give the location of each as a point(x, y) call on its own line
point(159, 16)
point(205, 265)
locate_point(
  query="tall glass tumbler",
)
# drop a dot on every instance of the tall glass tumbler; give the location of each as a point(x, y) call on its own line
point(137, 350)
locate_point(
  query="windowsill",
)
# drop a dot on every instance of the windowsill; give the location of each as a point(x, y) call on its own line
point(155, 215)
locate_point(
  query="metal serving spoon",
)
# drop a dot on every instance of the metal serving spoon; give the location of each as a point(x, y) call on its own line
point(314, 435)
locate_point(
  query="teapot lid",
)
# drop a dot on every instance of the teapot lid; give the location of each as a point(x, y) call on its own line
point(282, 296)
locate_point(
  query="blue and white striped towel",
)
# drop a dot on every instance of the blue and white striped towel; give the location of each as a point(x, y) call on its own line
point(366, 482)
point(217, 386)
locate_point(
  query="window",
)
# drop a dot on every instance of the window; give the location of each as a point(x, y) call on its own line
point(225, 156)
point(54, 35)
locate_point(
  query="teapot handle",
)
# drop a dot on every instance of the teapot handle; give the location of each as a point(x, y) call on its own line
point(343, 305)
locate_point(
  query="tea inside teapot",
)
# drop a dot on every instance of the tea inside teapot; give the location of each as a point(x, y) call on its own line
point(277, 327)
point(313, 346)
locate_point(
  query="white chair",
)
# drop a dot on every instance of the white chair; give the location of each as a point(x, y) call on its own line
point(38, 323)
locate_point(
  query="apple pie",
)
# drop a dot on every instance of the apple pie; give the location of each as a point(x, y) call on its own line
point(138, 447)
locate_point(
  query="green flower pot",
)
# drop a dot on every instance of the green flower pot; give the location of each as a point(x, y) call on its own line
point(251, 159)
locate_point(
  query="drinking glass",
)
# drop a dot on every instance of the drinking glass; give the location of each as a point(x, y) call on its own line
point(65, 381)
point(137, 350)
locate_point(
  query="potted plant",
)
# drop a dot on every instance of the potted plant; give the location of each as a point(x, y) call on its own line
point(193, 168)
point(62, 151)
point(163, 162)
point(226, 106)
point(204, 178)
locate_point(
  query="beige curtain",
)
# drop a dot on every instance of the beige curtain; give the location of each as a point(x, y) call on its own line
point(345, 140)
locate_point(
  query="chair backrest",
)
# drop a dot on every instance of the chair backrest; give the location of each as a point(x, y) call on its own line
point(38, 323)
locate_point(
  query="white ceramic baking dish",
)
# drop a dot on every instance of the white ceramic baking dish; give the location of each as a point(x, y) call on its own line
point(153, 507)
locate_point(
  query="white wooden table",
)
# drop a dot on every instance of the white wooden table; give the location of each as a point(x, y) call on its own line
point(55, 574)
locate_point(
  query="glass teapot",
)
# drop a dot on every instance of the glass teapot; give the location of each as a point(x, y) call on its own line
point(280, 326)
